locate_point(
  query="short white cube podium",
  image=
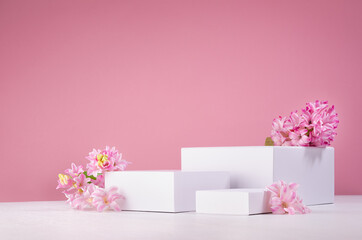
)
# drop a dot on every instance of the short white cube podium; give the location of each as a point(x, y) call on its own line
point(257, 167)
point(164, 191)
point(245, 201)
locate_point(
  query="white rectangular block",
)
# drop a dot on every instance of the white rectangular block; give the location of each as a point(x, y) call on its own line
point(244, 201)
point(164, 191)
point(257, 167)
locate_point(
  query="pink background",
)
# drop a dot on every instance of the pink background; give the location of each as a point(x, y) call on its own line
point(150, 77)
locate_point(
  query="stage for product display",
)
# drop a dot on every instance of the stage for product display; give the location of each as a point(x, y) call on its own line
point(257, 167)
point(245, 201)
point(164, 191)
point(217, 169)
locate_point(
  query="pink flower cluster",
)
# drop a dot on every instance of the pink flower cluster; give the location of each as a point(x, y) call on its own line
point(105, 161)
point(84, 188)
point(284, 199)
point(315, 126)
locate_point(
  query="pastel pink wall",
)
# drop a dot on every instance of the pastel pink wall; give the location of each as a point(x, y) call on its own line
point(150, 77)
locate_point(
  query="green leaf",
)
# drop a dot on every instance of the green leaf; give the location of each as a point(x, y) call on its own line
point(269, 142)
point(91, 176)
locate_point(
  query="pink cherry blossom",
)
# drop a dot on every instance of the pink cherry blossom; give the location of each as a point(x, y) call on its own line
point(279, 124)
point(284, 199)
point(84, 200)
point(277, 138)
point(74, 171)
point(294, 122)
point(323, 121)
point(64, 181)
point(70, 198)
point(299, 137)
point(315, 126)
point(68, 180)
point(280, 131)
point(99, 181)
point(85, 189)
point(95, 197)
point(81, 183)
point(105, 160)
point(104, 200)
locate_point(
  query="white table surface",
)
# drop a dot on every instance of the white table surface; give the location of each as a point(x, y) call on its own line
point(55, 220)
